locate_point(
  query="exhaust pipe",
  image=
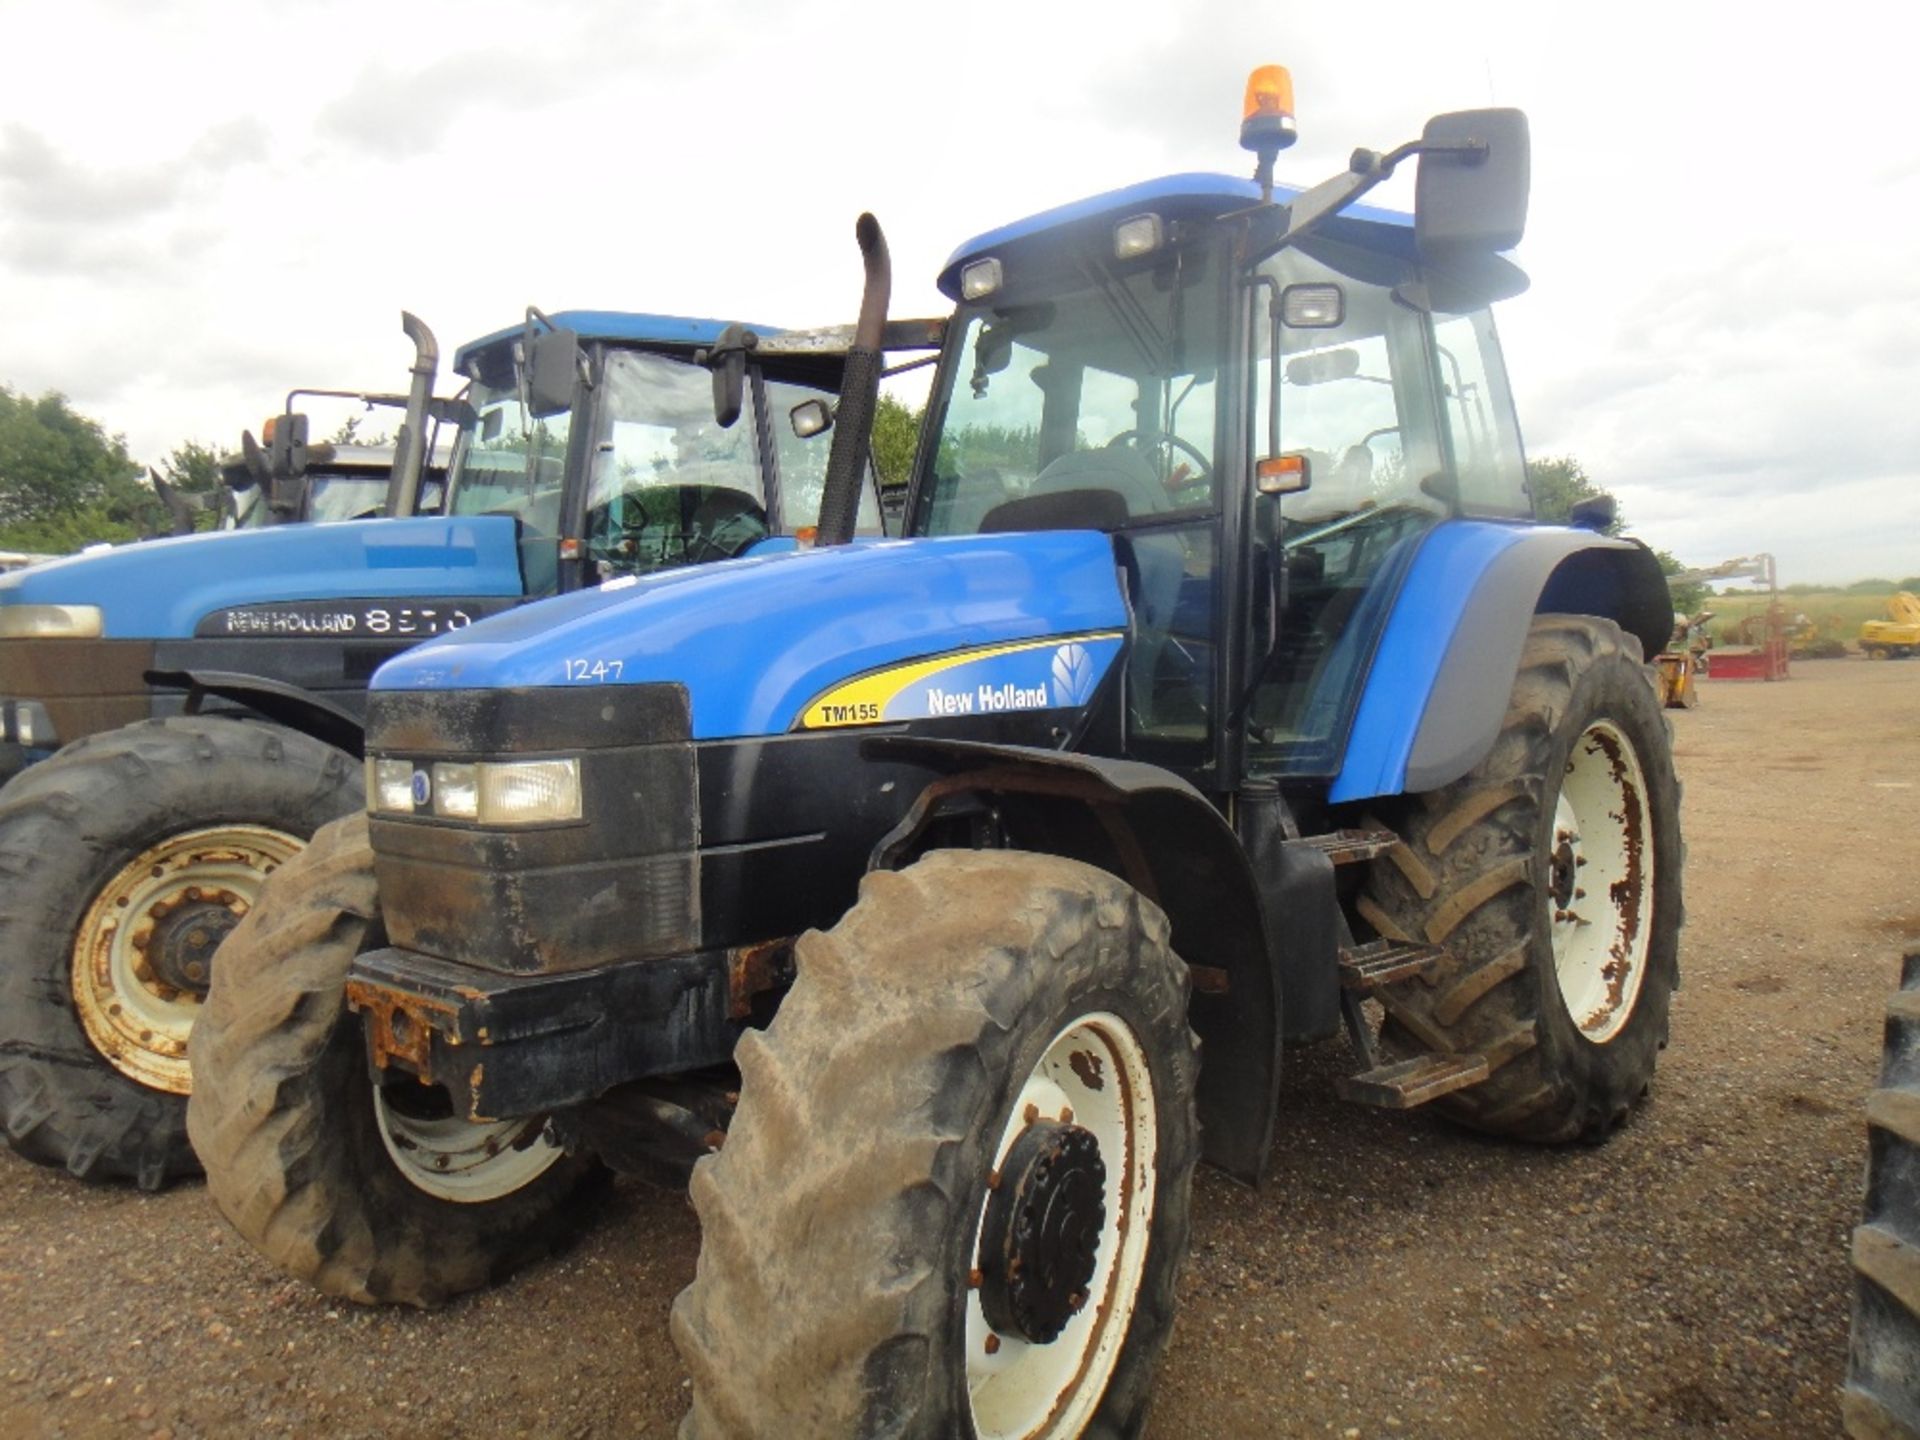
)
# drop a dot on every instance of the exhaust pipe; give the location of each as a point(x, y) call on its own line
point(410, 446)
point(859, 393)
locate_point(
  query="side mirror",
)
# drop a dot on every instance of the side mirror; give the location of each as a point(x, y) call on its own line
point(553, 364)
point(728, 361)
point(811, 418)
point(1323, 367)
point(1471, 195)
point(287, 446)
point(1596, 513)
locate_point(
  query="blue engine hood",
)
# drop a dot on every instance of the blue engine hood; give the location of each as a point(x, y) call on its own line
point(159, 588)
point(754, 640)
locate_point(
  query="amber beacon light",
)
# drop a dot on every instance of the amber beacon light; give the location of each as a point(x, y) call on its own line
point(1266, 120)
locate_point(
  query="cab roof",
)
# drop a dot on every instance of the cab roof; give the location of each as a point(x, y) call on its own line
point(1193, 195)
point(628, 327)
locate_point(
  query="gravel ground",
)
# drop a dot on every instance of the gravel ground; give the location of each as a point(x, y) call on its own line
point(1395, 1277)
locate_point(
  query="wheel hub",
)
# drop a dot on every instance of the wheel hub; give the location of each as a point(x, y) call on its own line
point(143, 951)
point(1040, 1241)
point(179, 951)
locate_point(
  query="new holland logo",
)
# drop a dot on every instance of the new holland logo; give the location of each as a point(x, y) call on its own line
point(1073, 675)
point(422, 787)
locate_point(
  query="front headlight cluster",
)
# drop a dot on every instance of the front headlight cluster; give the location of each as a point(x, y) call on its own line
point(488, 792)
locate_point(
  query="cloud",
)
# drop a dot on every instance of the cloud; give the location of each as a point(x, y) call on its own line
point(42, 185)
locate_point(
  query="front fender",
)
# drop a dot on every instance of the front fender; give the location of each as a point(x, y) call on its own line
point(1162, 836)
point(1444, 669)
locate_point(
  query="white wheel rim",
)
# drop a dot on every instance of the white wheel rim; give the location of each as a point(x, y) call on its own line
point(134, 1010)
point(1094, 1072)
point(1600, 891)
point(466, 1162)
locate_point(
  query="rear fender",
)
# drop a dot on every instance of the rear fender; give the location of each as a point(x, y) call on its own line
point(1158, 833)
point(1444, 669)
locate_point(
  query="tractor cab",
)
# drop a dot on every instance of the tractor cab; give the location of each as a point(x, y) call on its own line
point(1268, 430)
point(600, 433)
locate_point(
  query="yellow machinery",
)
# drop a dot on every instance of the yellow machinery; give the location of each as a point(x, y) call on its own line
point(1896, 636)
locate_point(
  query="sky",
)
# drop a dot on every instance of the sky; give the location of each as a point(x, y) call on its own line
point(203, 205)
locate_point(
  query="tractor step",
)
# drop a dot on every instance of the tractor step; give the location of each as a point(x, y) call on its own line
point(1379, 963)
point(1407, 1083)
point(1350, 847)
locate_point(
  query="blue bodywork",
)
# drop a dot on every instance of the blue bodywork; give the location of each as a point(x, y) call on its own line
point(158, 589)
point(1175, 197)
point(1406, 664)
point(755, 639)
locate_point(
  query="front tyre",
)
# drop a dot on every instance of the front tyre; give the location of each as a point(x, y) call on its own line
point(1551, 876)
point(372, 1192)
point(124, 862)
point(954, 1198)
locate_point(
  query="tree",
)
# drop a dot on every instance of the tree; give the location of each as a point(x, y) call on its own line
point(1558, 483)
point(348, 433)
point(896, 433)
point(64, 481)
point(192, 468)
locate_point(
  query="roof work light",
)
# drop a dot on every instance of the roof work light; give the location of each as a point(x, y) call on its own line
point(1266, 121)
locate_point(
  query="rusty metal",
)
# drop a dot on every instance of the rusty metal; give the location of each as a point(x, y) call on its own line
point(1409, 1083)
point(1378, 963)
point(400, 1027)
point(754, 970)
point(1352, 846)
point(1209, 979)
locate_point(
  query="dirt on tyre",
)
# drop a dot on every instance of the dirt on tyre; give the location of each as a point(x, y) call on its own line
point(374, 1193)
point(125, 860)
point(954, 1199)
point(1551, 877)
point(1881, 1400)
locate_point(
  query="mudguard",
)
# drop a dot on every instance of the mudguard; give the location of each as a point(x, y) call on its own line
point(1444, 669)
point(276, 700)
point(1165, 839)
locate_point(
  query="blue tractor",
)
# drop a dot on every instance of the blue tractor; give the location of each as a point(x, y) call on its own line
point(939, 903)
point(202, 698)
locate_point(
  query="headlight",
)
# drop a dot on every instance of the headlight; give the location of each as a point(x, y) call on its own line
point(52, 622)
point(390, 785)
point(492, 792)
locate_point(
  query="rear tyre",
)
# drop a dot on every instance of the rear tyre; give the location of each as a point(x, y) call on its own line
point(1882, 1396)
point(1551, 875)
point(124, 862)
point(954, 1198)
point(372, 1193)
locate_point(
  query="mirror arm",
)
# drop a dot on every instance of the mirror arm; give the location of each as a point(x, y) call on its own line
point(1365, 170)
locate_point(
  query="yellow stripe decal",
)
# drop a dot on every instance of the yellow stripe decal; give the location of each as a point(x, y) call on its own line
point(1060, 671)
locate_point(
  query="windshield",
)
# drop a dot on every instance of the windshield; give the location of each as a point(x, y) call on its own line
point(667, 486)
point(334, 496)
point(1107, 389)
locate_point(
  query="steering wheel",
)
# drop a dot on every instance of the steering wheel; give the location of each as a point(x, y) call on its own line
point(1192, 479)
